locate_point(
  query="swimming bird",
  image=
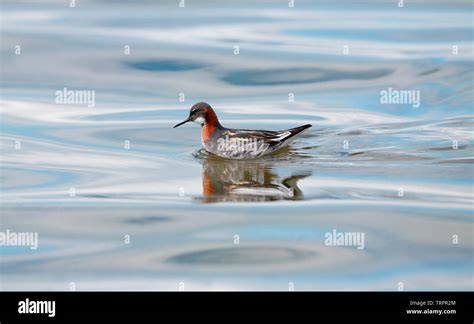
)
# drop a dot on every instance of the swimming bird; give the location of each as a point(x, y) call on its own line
point(238, 144)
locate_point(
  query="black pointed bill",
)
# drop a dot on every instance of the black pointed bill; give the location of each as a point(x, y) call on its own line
point(183, 122)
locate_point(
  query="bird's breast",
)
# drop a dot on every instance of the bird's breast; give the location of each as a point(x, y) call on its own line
point(207, 131)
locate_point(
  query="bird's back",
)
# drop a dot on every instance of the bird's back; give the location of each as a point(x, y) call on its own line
point(248, 144)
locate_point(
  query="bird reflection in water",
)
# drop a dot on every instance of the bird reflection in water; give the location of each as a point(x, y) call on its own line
point(246, 181)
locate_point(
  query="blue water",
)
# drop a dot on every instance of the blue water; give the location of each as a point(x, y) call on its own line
point(182, 208)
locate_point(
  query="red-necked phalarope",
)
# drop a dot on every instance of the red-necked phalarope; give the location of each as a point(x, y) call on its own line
point(237, 143)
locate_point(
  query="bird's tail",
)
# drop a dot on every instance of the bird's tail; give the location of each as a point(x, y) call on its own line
point(297, 130)
point(289, 135)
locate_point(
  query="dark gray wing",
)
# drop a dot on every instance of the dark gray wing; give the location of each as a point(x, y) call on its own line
point(272, 138)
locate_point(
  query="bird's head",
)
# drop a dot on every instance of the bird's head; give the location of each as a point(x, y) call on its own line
point(200, 113)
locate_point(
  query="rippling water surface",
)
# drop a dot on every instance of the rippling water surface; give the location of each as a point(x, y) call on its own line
point(399, 174)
